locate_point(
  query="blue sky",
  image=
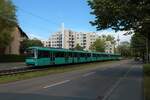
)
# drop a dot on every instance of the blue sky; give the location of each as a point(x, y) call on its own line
point(41, 18)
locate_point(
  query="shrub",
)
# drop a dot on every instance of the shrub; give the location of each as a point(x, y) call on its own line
point(12, 58)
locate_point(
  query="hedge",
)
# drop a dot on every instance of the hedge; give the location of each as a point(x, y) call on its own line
point(12, 58)
point(147, 81)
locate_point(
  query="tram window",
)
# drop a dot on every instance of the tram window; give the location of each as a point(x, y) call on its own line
point(86, 55)
point(59, 54)
point(70, 54)
point(97, 55)
point(104, 55)
point(89, 55)
point(43, 54)
point(75, 54)
point(94, 55)
point(82, 54)
point(100, 55)
point(78, 54)
point(30, 53)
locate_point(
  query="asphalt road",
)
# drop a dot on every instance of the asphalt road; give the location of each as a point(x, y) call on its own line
point(118, 81)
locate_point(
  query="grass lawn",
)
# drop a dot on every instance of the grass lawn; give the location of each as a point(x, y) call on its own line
point(147, 81)
point(51, 70)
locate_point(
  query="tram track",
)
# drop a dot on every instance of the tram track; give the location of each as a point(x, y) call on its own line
point(20, 70)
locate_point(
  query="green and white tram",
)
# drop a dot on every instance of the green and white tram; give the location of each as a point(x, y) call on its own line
point(41, 56)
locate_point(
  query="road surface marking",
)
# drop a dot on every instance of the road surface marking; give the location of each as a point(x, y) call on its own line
point(87, 74)
point(116, 84)
point(55, 84)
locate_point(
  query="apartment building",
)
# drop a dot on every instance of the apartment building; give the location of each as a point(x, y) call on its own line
point(47, 43)
point(80, 39)
point(68, 39)
point(56, 40)
point(90, 39)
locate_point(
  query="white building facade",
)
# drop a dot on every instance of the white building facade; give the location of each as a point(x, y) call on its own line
point(109, 47)
point(68, 39)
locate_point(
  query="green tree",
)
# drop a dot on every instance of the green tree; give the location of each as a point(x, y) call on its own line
point(123, 15)
point(124, 49)
point(132, 16)
point(28, 43)
point(7, 23)
point(138, 45)
point(78, 47)
point(111, 39)
point(98, 45)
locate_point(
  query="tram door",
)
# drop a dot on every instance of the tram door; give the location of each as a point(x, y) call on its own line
point(78, 57)
point(66, 57)
point(52, 56)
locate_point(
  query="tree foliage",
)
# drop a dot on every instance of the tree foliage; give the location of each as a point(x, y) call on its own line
point(123, 15)
point(98, 45)
point(28, 43)
point(124, 49)
point(7, 23)
point(138, 45)
point(110, 38)
point(78, 47)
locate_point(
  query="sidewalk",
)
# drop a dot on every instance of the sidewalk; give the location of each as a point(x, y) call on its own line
point(12, 65)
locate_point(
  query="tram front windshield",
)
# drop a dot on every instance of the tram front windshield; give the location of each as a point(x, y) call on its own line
point(31, 53)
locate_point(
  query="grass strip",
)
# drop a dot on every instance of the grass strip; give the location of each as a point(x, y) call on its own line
point(147, 81)
point(51, 70)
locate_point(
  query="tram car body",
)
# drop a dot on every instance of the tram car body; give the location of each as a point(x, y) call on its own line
point(41, 56)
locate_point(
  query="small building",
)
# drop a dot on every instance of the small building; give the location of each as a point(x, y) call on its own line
point(18, 36)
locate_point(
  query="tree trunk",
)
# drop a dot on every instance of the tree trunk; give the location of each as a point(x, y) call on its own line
point(147, 49)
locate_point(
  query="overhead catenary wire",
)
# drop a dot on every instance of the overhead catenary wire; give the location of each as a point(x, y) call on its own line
point(37, 16)
point(31, 14)
point(14, 21)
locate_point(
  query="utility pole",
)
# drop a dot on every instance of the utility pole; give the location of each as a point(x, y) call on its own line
point(118, 40)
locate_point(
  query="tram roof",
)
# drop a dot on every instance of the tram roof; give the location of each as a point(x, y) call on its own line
point(67, 50)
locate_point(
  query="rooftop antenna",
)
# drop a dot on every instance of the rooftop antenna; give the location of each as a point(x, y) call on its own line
point(118, 40)
point(62, 27)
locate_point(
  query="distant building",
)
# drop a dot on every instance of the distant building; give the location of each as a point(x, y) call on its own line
point(68, 39)
point(90, 39)
point(18, 36)
point(85, 39)
point(109, 47)
point(56, 40)
point(47, 43)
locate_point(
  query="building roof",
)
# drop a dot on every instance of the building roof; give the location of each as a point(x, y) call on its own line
point(22, 32)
